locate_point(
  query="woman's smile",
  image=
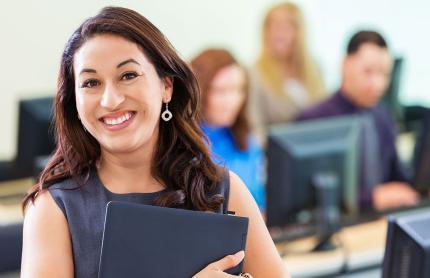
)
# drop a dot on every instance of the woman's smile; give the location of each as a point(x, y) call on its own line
point(118, 120)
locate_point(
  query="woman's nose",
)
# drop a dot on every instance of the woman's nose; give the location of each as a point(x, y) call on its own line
point(112, 97)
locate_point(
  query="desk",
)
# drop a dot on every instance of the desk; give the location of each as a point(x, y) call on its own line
point(361, 246)
point(11, 194)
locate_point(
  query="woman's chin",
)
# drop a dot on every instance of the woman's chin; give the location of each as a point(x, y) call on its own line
point(118, 147)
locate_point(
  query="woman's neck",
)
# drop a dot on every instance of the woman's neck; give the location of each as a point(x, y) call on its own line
point(128, 172)
point(286, 65)
point(289, 70)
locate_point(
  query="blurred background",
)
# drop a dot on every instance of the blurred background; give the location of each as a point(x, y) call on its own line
point(34, 34)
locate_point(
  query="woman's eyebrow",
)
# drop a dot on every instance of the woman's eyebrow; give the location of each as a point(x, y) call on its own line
point(126, 62)
point(87, 70)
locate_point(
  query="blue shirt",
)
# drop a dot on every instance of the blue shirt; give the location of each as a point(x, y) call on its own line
point(390, 165)
point(248, 164)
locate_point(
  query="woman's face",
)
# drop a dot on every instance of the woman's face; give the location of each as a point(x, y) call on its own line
point(225, 97)
point(118, 93)
point(281, 34)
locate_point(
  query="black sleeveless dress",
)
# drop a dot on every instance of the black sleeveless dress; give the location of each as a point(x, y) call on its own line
point(85, 207)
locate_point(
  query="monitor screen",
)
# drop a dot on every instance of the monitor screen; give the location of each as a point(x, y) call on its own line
point(297, 153)
point(35, 135)
point(391, 97)
point(422, 154)
point(407, 252)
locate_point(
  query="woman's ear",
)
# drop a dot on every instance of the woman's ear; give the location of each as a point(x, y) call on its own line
point(168, 89)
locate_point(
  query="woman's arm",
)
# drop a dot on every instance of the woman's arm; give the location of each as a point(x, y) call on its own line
point(261, 257)
point(47, 250)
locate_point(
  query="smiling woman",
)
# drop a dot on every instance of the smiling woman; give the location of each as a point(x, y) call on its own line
point(118, 73)
point(119, 94)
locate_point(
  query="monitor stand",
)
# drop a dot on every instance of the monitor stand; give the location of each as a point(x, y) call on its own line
point(327, 210)
point(325, 244)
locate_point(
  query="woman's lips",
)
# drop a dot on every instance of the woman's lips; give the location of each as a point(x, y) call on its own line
point(118, 121)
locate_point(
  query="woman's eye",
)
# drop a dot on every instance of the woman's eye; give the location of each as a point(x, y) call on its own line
point(90, 83)
point(129, 76)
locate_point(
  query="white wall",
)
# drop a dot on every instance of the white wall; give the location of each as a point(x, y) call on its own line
point(33, 34)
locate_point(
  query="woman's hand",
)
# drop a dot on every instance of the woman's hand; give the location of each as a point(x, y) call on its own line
point(216, 269)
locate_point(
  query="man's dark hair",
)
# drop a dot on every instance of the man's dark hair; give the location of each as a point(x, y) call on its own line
point(362, 37)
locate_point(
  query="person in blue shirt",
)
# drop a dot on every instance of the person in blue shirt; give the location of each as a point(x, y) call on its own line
point(224, 87)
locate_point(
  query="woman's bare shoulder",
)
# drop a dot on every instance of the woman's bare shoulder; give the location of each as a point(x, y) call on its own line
point(47, 250)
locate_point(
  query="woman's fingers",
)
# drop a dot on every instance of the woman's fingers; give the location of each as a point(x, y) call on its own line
point(228, 261)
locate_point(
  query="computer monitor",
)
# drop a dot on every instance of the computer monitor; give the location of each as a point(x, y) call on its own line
point(35, 137)
point(421, 164)
point(407, 252)
point(297, 153)
point(391, 98)
point(11, 247)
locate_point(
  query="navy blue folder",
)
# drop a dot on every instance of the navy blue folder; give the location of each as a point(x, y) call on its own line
point(149, 241)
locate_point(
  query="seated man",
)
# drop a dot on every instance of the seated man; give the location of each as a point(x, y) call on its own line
point(365, 74)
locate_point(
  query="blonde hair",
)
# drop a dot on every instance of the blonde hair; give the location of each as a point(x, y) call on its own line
point(301, 61)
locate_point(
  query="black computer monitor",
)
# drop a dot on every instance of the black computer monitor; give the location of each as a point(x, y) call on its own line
point(11, 247)
point(391, 97)
point(297, 153)
point(407, 252)
point(421, 163)
point(35, 138)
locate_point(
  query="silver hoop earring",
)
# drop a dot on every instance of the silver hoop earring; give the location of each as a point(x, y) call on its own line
point(167, 115)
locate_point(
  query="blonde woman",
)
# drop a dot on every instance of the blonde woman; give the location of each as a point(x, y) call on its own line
point(284, 79)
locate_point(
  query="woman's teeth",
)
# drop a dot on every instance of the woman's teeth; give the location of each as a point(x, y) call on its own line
point(119, 120)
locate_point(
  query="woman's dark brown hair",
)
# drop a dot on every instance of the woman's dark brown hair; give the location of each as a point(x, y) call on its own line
point(205, 66)
point(181, 160)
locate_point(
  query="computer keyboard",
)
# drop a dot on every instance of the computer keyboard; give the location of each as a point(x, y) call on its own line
point(296, 231)
point(292, 232)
